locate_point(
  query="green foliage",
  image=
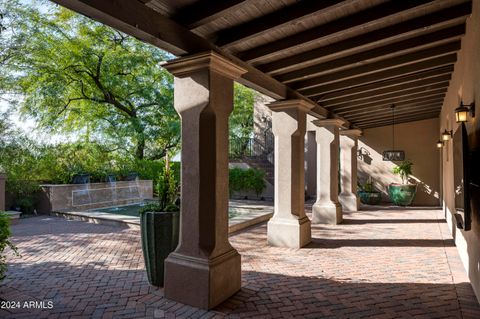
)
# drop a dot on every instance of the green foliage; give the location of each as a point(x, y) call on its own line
point(241, 119)
point(83, 77)
point(368, 187)
point(168, 188)
point(245, 180)
point(5, 233)
point(404, 169)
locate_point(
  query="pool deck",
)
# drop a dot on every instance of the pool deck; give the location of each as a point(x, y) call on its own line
point(249, 213)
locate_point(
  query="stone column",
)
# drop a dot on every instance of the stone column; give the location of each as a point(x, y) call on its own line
point(348, 170)
point(204, 270)
point(2, 191)
point(289, 226)
point(311, 165)
point(327, 209)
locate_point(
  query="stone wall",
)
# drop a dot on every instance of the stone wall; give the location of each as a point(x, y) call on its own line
point(464, 86)
point(68, 197)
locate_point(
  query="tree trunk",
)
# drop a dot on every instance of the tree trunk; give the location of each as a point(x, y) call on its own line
point(140, 149)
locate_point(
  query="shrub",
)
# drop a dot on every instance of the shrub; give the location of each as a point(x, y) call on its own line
point(167, 188)
point(4, 243)
point(245, 180)
point(404, 169)
point(24, 193)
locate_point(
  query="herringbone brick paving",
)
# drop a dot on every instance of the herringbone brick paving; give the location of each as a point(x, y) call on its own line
point(377, 264)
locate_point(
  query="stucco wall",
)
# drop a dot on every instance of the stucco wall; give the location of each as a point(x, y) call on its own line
point(465, 86)
point(418, 140)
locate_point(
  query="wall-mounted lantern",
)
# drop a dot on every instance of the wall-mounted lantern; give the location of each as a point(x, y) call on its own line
point(439, 144)
point(446, 135)
point(461, 112)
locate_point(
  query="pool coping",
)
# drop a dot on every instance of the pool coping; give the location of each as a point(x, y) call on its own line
point(235, 224)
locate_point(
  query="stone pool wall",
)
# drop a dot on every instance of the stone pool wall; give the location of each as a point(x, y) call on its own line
point(68, 197)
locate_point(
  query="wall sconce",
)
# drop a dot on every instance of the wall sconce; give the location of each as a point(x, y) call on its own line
point(461, 112)
point(446, 135)
point(439, 144)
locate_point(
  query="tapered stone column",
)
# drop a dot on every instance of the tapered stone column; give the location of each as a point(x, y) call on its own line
point(2, 191)
point(311, 165)
point(289, 226)
point(327, 209)
point(348, 170)
point(204, 270)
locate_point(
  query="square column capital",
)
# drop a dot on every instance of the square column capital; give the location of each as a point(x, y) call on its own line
point(210, 60)
point(338, 123)
point(294, 104)
point(352, 133)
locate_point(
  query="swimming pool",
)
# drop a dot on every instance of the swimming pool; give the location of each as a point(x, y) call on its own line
point(134, 209)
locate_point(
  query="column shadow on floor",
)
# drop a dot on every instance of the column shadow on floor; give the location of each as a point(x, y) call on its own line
point(349, 221)
point(338, 243)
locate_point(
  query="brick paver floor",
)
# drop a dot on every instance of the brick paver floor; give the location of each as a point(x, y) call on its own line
point(385, 263)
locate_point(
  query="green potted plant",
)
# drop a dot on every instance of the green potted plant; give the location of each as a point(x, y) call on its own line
point(159, 225)
point(5, 242)
point(367, 193)
point(403, 194)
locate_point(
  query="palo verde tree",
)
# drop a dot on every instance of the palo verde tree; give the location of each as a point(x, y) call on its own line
point(80, 76)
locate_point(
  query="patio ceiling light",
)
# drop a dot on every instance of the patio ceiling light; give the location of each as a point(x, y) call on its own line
point(461, 112)
point(393, 154)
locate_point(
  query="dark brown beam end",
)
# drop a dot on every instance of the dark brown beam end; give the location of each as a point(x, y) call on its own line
point(204, 11)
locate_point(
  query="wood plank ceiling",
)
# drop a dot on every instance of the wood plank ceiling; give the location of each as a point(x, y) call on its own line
point(355, 58)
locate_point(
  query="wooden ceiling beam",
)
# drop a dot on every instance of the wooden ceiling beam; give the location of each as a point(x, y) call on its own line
point(400, 104)
point(204, 11)
point(429, 89)
point(382, 75)
point(376, 67)
point(396, 48)
point(401, 119)
point(383, 90)
point(417, 24)
point(370, 126)
point(355, 20)
point(386, 112)
point(287, 15)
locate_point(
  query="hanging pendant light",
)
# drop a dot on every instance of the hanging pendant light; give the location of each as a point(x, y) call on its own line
point(393, 154)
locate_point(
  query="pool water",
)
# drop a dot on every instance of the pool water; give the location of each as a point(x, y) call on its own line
point(134, 209)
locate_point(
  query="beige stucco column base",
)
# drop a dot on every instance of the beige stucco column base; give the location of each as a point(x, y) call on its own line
point(348, 170)
point(289, 226)
point(327, 209)
point(205, 269)
point(292, 233)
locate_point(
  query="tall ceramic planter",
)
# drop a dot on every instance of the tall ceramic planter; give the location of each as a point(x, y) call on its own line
point(159, 238)
point(402, 194)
